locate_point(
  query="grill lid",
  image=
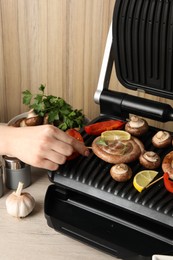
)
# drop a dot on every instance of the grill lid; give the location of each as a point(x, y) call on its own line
point(143, 45)
point(140, 44)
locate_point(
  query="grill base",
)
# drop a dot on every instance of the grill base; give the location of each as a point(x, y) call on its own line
point(103, 225)
point(86, 203)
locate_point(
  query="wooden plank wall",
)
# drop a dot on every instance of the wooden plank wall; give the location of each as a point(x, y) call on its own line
point(59, 43)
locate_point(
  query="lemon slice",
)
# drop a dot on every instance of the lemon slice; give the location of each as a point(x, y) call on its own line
point(143, 178)
point(115, 135)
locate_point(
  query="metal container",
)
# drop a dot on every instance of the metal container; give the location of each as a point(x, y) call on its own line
point(16, 171)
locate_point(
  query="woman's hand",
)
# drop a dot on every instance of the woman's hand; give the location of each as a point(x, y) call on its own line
point(43, 146)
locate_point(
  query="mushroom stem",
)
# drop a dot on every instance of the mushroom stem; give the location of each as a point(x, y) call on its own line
point(136, 122)
point(19, 189)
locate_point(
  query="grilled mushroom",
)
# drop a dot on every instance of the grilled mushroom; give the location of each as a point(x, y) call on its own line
point(162, 139)
point(167, 164)
point(150, 160)
point(136, 126)
point(121, 172)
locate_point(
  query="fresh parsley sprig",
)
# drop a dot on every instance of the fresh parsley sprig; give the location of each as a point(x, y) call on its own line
point(58, 111)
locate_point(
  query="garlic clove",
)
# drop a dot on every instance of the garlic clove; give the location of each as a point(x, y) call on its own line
point(20, 204)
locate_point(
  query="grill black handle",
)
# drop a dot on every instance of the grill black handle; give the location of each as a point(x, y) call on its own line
point(122, 104)
point(147, 108)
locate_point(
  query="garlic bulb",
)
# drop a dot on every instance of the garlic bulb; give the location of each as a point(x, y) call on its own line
point(20, 204)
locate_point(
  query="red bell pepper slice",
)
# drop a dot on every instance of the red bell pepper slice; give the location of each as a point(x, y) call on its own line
point(168, 182)
point(99, 127)
point(75, 134)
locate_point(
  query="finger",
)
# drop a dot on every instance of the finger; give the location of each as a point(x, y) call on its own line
point(50, 160)
point(48, 165)
point(61, 148)
point(78, 146)
point(55, 157)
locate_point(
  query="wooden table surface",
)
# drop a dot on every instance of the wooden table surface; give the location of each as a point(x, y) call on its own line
point(31, 238)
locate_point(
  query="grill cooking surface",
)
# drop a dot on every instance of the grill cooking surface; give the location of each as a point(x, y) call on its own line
point(91, 175)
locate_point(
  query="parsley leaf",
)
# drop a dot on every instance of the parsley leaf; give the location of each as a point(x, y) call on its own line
point(58, 111)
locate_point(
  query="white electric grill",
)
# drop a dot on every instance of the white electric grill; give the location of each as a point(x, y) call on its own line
point(84, 202)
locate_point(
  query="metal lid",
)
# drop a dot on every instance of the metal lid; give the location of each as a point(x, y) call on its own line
point(13, 163)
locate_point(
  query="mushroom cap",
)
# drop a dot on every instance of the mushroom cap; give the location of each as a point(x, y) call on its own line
point(136, 126)
point(33, 121)
point(118, 151)
point(167, 164)
point(121, 172)
point(150, 160)
point(162, 139)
